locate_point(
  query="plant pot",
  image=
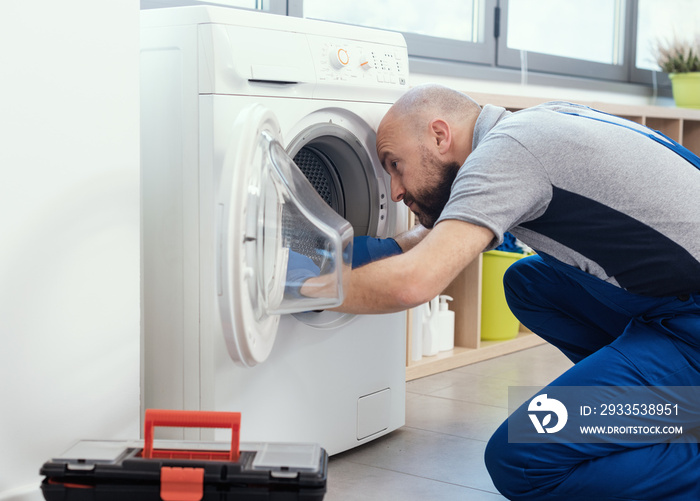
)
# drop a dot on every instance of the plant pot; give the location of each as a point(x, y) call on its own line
point(686, 89)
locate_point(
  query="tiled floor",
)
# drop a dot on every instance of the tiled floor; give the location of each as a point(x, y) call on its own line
point(450, 416)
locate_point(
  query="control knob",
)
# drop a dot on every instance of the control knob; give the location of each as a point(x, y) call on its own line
point(339, 57)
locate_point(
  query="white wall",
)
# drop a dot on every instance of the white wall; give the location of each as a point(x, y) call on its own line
point(69, 230)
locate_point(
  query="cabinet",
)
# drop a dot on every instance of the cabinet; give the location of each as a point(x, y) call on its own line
point(680, 124)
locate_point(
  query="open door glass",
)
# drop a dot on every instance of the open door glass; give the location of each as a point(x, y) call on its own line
point(316, 241)
point(281, 249)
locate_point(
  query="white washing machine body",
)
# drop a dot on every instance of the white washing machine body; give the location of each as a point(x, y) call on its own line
point(322, 376)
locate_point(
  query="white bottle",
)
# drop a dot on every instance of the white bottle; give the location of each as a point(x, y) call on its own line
point(417, 334)
point(431, 339)
point(445, 325)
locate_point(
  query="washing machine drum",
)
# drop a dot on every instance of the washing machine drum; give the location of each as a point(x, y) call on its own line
point(341, 171)
point(322, 175)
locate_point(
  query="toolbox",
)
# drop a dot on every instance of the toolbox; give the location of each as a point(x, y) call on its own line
point(186, 470)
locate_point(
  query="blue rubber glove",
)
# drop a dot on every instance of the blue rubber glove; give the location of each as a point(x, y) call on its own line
point(368, 249)
point(299, 269)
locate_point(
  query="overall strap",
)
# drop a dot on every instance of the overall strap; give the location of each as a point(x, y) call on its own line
point(653, 134)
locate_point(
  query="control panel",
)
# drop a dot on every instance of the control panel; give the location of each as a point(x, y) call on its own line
point(355, 61)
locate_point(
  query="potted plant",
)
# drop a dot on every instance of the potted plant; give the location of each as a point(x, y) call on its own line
point(681, 60)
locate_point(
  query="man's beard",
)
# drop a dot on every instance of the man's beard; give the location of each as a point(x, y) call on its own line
point(431, 200)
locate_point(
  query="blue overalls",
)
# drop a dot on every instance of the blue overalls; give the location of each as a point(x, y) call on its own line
point(615, 338)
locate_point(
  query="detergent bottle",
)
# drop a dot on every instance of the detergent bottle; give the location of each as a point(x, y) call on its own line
point(417, 333)
point(431, 340)
point(445, 324)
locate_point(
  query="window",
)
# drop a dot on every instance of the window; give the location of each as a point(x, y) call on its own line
point(590, 31)
point(583, 38)
point(408, 16)
point(459, 30)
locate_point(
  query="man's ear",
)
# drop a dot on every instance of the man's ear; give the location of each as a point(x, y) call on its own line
point(442, 135)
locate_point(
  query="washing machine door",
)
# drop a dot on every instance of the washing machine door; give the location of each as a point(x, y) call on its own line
point(274, 233)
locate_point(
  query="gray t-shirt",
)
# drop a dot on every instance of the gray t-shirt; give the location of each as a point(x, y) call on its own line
point(601, 197)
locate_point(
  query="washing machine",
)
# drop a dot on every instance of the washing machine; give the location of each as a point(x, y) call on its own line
point(258, 147)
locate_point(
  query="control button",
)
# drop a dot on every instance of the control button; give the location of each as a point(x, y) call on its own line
point(339, 58)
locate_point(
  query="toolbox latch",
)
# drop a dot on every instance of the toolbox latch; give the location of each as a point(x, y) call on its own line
point(181, 484)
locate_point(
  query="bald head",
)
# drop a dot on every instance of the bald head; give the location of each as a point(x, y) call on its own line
point(425, 102)
point(427, 115)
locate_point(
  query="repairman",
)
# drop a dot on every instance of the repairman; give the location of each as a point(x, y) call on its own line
point(612, 210)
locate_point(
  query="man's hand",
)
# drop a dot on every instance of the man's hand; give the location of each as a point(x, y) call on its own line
point(299, 269)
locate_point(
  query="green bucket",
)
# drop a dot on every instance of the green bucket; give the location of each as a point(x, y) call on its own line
point(497, 321)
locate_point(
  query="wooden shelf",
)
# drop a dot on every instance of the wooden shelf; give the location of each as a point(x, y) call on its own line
point(459, 357)
point(681, 124)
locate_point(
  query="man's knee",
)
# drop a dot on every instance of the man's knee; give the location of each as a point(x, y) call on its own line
point(523, 471)
point(520, 279)
point(503, 466)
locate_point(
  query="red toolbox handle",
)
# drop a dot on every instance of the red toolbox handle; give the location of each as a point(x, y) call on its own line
point(192, 419)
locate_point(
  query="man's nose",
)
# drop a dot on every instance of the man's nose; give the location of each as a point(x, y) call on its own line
point(397, 190)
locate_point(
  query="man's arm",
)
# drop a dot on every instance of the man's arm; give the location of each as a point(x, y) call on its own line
point(413, 278)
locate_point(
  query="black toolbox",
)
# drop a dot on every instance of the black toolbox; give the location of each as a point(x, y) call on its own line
point(187, 471)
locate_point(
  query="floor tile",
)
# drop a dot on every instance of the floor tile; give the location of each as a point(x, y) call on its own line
point(464, 386)
point(348, 481)
point(533, 367)
point(454, 417)
point(445, 458)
